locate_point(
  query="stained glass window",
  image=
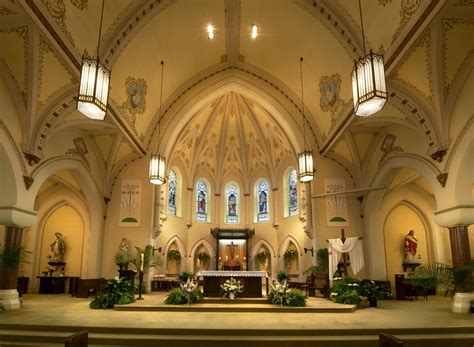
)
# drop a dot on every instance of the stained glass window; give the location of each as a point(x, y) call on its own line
point(262, 201)
point(292, 194)
point(201, 201)
point(172, 184)
point(232, 200)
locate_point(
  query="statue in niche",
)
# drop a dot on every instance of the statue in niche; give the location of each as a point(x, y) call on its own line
point(58, 247)
point(411, 245)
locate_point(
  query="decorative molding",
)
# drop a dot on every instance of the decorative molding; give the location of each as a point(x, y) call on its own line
point(28, 180)
point(453, 208)
point(454, 147)
point(330, 100)
point(80, 150)
point(442, 178)
point(14, 208)
point(407, 9)
point(13, 144)
point(22, 33)
point(117, 43)
point(439, 155)
point(424, 41)
point(32, 159)
point(447, 24)
point(136, 101)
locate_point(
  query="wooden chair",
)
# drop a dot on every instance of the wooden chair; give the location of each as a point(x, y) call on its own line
point(80, 339)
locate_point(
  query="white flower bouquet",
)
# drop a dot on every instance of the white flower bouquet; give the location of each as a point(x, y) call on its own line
point(230, 288)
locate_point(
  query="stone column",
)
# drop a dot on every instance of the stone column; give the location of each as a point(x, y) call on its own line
point(189, 211)
point(275, 212)
point(308, 203)
point(248, 210)
point(157, 212)
point(218, 210)
point(9, 277)
point(460, 251)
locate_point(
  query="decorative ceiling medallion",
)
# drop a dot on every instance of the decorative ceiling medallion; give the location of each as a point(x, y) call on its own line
point(136, 93)
point(330, 100)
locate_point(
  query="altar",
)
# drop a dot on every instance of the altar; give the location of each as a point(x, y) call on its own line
point(251, 281)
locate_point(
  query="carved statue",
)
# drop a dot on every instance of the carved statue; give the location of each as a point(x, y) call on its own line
point(58, 247)
point(411, 244)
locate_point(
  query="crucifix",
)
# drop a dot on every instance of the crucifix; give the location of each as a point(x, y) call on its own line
point(344, 255)
point(232, 248)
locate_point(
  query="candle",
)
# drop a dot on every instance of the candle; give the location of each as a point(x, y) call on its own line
point(143, 258)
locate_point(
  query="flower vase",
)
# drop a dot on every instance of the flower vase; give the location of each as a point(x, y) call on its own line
point(232, 295)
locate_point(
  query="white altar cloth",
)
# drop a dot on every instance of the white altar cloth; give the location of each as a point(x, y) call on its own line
point(232, 274)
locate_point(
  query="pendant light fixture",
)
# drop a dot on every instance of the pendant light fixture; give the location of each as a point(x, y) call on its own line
point(368, 81)
point(94, 85)
point(157, 161)
point(305, 158)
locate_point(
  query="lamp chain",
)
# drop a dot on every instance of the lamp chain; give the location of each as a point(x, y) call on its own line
point(362, 26)
point(161, 99)
point(302, 104)
point(100, 28)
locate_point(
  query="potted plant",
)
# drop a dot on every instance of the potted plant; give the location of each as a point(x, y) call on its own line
point(345, 290)
point(118, 291)
point(203, 258)
point(11, 257)
point(472, 306)
point(281, 295)
point(174, 255)
point(122, 260)
point(290, 255)
point(187, 293)
point(373, 292)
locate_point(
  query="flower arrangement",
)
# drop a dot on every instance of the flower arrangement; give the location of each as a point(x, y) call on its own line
point(345, 290)
point(204, 257)
point(187, 293)
point(372, 290)
point(230, 288)
point(280, 294)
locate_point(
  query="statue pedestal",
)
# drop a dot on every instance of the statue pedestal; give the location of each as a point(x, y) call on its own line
point(9, 299)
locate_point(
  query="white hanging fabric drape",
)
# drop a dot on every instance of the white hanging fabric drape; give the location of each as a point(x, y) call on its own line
point(353, 246)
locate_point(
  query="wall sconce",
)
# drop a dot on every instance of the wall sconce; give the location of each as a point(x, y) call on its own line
point(309, 250)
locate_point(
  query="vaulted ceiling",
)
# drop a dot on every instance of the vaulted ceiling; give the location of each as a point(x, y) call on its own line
point(427, 45)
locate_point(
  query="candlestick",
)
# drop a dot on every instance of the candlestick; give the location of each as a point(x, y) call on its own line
point(142, 258)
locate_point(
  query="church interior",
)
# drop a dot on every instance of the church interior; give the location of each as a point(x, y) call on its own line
point(245, 136)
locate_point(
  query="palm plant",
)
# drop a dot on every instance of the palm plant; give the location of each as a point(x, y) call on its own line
point(149, 259)
point(11, 257)
point(429, 277)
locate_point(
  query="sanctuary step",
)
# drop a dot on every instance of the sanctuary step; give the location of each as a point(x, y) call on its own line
point(35, 335)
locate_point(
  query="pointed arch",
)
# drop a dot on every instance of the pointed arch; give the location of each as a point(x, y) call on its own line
point(290, 192)
point(202, 200)
point(209, 248)
point(261, 201)
point(176, 240)
point(232, 203)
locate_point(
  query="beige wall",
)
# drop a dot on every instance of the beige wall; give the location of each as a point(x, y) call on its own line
point(67, 221)
point(396, 227)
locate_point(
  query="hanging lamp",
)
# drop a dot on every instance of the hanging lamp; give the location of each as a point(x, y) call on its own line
point(368, 81)
point(94, 85)
point(305, 158)
point(157, 161)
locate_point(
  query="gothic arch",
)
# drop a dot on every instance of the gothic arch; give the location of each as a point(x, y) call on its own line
point(180, 245)
point(210, 249)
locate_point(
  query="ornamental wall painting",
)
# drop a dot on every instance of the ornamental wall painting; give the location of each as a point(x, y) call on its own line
point(336, 205)
point(130, 202)
point(135, 89)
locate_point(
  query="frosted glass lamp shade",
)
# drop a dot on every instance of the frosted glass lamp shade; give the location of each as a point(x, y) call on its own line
point(157, 169)
point(368, 85)
point(93, 89)
point(306, 168)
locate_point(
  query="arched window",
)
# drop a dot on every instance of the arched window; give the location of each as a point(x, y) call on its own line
point(292, 193)
point(261, 195)
point(232, 204)
point(201, 202)
point(172, 185)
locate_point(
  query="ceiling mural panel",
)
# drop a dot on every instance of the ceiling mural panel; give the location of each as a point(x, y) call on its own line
point(415, 69)
point(458, 46)
point(54, 75)
point(15, 58)
point(162, 39)
point(309, 39)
